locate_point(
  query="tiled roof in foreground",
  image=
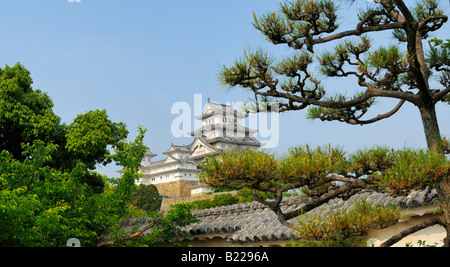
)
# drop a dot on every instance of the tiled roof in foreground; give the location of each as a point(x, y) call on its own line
point(254, 222)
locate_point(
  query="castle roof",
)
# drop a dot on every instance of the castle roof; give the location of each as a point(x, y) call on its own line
point(150, 154)
point(208, 145)
point(213, 108)
point(248, 140)
point(175, 148)
point(173, 160)
point(235, 128)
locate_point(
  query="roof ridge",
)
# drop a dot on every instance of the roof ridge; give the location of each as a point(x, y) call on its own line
point(415, 198)
point(243, 207)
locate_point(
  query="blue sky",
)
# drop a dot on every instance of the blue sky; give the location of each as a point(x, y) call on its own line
point(136, 58)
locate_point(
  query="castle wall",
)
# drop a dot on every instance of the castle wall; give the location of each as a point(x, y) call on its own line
point(176, 188)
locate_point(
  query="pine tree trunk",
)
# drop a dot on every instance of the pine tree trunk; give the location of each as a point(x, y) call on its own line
point(430, 126)
point(444, 205)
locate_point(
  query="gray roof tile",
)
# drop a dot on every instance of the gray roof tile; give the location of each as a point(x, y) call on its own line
point(258, 223)
point(254, 222)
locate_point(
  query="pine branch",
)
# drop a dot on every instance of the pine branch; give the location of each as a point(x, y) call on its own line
point(379, 117)
point(149, 225)
point(396, 238)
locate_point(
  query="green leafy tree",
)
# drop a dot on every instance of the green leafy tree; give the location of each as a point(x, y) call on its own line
point(403, 71)
point(25, 114)
point(166, 230)
point(43, 206)
point(217, 201)
point(147, 198)
point(49, 190)
point(89, 135)
point(244, 195)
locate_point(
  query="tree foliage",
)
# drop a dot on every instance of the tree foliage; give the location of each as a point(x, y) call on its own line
point(344, 228)
point(164, 230)
point(313, 169)
point(147, 198)
point(244, 195)
point(44, 206)
point(325, 173)
point(49, 189)
point(25, 114)
point(90, 134)
point(403, 71)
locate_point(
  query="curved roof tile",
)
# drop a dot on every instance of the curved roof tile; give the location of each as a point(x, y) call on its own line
point(255, 222)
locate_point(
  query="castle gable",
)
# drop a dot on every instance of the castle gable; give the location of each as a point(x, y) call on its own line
point(201, 148)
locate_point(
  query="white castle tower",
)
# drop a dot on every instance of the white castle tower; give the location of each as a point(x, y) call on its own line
point(221, 130)
point(176, 176)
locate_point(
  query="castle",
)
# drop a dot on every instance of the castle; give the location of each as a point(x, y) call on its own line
point(176, 176)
